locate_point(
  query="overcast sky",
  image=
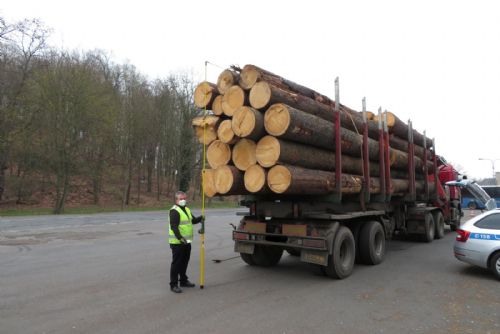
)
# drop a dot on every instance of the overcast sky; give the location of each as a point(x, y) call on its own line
point(436, 62)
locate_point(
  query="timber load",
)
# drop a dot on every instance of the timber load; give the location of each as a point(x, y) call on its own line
point(265, 134)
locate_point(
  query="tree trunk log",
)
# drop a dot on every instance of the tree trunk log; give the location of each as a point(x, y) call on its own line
point(234, 98)
point(217, 105)
point(402, 145)
point(229, 181)
point(248, 123)
point(226, 80)
point(289, 123)
point(255, 179)
point(225, 132)
point(209, 182)
point(244, 154)
point(292, 180)
point(264, 95)
point(204, 95)
point(211, 123)
point(218, 154)
point(400, 129)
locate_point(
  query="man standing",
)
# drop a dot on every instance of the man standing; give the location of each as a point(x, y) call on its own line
point(180, 236)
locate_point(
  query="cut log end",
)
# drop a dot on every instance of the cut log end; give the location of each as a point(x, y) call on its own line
point(260, 95)
point(218, 154)
point(217, 105)
point(279, 179)
point(244, 154)
point(232, 100)
point(244, 121)
point(208, 176)
point(255, 178)
point(225, 132)
point(223, 179)
point(205, 136)
point(248, 77)
point(268, 151)
point(226, 80)
point(204, 94)
point(277, 119)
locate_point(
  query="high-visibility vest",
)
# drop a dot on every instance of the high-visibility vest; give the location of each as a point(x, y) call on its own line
point(185, 226)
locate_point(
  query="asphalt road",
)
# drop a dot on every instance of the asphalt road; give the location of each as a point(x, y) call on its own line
point(108, 273)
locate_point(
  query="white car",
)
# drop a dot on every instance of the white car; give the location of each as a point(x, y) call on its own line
point(478, 241)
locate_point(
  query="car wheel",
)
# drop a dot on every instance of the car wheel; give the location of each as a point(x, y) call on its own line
point(495, 265)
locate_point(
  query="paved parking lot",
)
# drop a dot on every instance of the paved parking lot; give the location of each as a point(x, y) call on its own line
point(108, 273)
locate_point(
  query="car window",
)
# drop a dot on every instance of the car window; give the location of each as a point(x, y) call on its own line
point(491, 222)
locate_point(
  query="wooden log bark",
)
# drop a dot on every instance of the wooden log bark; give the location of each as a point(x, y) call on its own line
point(225, 132)
point(244, 154)
point(218, 154)
point(248, 123)
point(271, 151)
point(217, 105)
point(234, 98)
point(400, 129)
point(402, 145)
point(208, 176)
point(263, 95)
point(204, 94)
point(255, 179)
point(292, 124)
point(293, 180)
point(229, 181)
point(226, 80)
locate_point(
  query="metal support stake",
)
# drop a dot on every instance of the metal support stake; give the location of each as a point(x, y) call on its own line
point(411, 164)
point(338, 148)
point(434, 161)
point(366, 159)
point(426, 170)
point(387, 163)
point(381, 197)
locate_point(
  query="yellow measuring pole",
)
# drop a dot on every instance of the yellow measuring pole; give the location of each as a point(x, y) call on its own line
point(202, 235)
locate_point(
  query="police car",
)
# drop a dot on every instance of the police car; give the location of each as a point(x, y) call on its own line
point(478, 241)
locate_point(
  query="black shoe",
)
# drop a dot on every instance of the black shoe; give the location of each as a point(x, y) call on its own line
point(187, 284)
point(175, 289)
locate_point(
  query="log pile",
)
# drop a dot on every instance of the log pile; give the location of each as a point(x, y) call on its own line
point(266, 134)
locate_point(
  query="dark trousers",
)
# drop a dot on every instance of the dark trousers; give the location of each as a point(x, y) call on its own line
point(180, 259)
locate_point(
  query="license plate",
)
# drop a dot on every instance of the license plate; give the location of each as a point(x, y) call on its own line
point(240, 247)
point(320, 258)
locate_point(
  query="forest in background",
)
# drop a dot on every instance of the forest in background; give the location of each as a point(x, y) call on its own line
point(76, 128)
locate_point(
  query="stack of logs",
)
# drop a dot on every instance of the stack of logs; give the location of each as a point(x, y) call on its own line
point(267, 134)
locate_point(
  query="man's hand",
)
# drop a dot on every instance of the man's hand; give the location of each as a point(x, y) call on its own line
point(202, 219)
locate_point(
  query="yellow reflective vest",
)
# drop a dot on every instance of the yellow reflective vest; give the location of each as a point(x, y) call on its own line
point(185, 226)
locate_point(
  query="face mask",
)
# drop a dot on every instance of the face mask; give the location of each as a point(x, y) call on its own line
point(182, 202)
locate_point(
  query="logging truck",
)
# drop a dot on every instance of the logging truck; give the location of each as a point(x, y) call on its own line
point(321, 180)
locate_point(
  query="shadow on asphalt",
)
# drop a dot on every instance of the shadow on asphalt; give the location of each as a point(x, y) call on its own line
point(477, 272)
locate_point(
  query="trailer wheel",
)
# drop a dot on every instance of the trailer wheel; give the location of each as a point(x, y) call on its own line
point(341, 262)
point(248, 258)
point(439, 223)
point(293, 252)
point(372, 243)
point(430, 228)
point(266, 256)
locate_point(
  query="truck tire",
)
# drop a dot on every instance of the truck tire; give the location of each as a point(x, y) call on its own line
point(341, 262)
point(495, 265)
point(439, 224)
point(267, 256)
point(293, 252)
point(248, 259)
point(430, 228)
point(372, 243)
